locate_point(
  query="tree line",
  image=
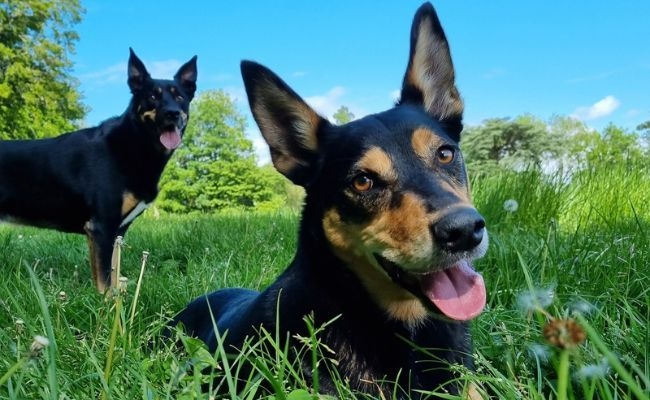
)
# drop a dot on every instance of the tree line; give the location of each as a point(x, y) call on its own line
point(216, 168)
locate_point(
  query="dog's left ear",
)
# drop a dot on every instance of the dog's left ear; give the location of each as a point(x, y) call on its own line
point(429, 79)
point(186, 76)
point(289, 126)
point(137, 73)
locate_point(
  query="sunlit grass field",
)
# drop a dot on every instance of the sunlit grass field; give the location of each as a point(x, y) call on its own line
point(568, 277)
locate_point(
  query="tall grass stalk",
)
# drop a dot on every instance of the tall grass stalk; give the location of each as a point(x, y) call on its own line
point(115, 293)
point(49, 329)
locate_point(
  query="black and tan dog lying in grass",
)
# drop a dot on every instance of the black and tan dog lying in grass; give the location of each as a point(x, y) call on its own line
point(387, 235)
point(98, 180)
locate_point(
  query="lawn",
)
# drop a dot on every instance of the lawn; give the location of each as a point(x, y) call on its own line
point(568, 277)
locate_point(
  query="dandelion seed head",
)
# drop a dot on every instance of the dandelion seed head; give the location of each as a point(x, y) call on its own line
point(510, 205)
point(599, 370)
point(564, 333)
point(582, 307)
point(20, 325)
point(123, 283)
point(533, 300)
point(39, 343)
point(540, 351)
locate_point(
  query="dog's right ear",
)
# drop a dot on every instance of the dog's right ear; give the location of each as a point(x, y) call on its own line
point(137, 73)
point(289, 126)
point(186, 75)
point(429, 80)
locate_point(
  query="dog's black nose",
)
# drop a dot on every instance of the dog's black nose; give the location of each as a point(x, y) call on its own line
point(460, 230)
point(172, 115)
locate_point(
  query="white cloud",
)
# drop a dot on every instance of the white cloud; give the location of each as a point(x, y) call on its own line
point(589, 78)
point(111, 74)
point(116, 73)
point(238, 95)
point(494, 73)
point(299, 74)
point(599, 109)
point(395, 95)
point(163, 69)
point(327, 104)
point(260, 146)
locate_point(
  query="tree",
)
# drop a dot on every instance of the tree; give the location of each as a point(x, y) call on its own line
point(644, 133)
point(614, 146)
point(644, 127)
point(343, 115)
point(515, 144)
point(216, 167)
point(38, 97)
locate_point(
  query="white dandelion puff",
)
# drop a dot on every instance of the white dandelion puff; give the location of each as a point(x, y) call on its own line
point(532, 300)
point(39, 343)
point(592, 371)
point(510, 205)
point(540, 352)
point(582, 307)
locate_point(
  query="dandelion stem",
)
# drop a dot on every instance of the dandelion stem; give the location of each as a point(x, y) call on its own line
point(111, 344)
point(563, 375)
point(115, 290)
point(145, 254)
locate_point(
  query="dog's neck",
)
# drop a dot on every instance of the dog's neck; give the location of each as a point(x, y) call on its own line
point(132, 146)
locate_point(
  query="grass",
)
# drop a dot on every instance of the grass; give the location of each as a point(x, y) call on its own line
point(568, 276)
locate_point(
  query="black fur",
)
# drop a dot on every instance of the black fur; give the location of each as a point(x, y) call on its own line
point(380, 192)
point(89, 181)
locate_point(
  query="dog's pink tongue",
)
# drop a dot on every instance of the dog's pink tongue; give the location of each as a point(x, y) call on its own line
point(171, 139)
point(458, 291)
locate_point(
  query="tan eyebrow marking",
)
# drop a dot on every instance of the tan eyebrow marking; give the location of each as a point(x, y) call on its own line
point(378, 161)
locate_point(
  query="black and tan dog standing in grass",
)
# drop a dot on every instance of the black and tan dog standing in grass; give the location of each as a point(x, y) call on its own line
point(386, 239)
point(98, 180)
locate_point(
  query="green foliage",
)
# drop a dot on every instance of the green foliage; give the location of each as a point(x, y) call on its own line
point(644, 127)
point(574, 248)
point(539, 199)
point(343, 115)
point(511, 143)
point(38, 97)
point(614, 146)
point(216, 169)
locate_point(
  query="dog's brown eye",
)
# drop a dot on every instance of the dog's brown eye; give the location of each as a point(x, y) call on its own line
point(152, 98)
point(362, 183)
point(445, 155)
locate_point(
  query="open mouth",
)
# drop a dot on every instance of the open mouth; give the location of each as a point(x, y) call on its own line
point(457, 291)
point(170, 136)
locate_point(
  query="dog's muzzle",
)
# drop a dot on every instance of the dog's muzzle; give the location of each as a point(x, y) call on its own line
point(457, 291)
point(171, 131)
point(452, 287)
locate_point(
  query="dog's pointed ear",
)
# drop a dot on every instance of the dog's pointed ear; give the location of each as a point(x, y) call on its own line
point(429, 80)
point(289, 126)
point(187, 75)
point(137, 73)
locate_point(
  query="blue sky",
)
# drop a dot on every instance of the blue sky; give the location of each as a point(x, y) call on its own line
point(588, 59)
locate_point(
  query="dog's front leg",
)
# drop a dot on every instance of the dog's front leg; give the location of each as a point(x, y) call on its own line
point(100, 245)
